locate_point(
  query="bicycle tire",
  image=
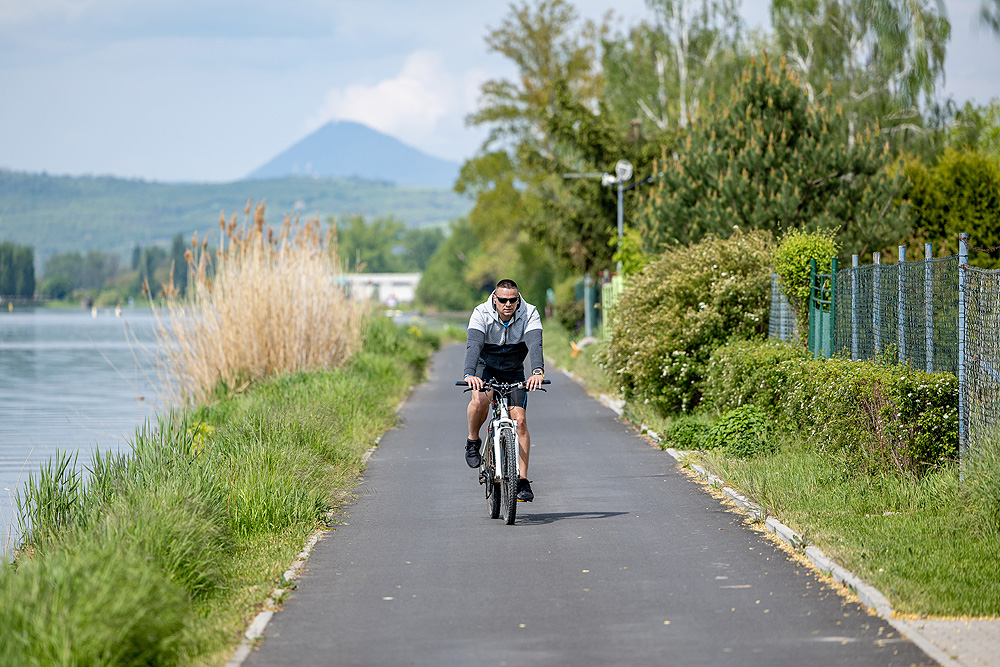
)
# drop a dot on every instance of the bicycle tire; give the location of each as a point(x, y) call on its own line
point(492, 488)
point(508, 483)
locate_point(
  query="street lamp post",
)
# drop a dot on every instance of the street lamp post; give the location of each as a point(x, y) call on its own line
point(623, 172)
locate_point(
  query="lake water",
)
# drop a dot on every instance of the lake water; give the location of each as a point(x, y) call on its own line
point(70, 380)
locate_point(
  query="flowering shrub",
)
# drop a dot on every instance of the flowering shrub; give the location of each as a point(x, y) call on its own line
point(745, 372)
point(875, 418)
point(683, 305)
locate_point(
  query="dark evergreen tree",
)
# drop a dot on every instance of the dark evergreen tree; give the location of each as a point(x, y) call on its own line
point(770, 159)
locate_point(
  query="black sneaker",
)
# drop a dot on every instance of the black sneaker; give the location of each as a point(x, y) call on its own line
point(524, 493)
point(472, 456)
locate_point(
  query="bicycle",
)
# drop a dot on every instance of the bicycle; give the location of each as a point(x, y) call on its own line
point(498, 469)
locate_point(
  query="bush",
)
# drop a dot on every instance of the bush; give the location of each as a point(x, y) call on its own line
point(745, 372)
point(682, 306)
point(791, 263)
point(742, 432)
point(687, 432)
point(874, 418)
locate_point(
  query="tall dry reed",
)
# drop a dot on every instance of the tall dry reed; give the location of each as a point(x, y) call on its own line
point(270, 303)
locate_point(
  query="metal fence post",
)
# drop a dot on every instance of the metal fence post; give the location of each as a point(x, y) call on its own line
point(588, 306)
point(929, 307)
point(963, 426)
point(854, 307)
point(901, 304)
point(877, 301)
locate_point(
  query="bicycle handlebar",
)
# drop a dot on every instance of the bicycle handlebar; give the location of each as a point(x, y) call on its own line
point(493, 384)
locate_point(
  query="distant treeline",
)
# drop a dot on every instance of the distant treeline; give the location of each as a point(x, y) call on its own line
point(381, 245)
point(100, 276)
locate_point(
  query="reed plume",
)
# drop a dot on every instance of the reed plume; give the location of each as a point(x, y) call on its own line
point(269, 303)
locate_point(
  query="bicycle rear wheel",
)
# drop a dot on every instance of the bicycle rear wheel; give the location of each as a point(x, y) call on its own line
point(508, 484)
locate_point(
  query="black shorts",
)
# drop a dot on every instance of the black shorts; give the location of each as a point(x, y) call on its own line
point(518, 397)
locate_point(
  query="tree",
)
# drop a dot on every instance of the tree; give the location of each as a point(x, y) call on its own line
point(551, 51)
point(17, 271)
point(444, 284)
point(771, 160)
point(878, 58)
point(369, 247)
point(545, 46)
point(989, 15)
point(665, 71)
point(961, 193)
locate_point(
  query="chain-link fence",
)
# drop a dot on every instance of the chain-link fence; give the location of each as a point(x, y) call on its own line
point(905, 313)
point(979, 376)
point(936, 314)
point(781, 323)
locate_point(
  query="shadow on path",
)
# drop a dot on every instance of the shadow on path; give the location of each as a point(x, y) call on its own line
point(540, 519)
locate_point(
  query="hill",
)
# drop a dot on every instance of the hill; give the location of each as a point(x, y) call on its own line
point(57, 214)
point(351, 150)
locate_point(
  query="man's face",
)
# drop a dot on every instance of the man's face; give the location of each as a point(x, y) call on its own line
point(506, 310)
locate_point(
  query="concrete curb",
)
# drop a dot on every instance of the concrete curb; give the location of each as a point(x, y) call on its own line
point(868, 595)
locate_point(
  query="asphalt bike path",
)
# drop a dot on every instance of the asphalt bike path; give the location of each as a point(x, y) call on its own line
point(620, 560)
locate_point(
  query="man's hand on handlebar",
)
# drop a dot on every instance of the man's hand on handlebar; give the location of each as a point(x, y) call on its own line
point(533, 382)
point(474, 381)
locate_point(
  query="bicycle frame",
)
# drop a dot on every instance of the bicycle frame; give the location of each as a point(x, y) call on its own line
point(501, 418)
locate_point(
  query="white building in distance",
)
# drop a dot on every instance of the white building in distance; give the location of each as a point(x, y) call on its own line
point(391, 289)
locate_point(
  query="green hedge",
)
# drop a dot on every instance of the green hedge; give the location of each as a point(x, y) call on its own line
point(873, 418)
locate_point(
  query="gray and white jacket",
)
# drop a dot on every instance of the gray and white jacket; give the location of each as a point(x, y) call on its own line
point(503, 345)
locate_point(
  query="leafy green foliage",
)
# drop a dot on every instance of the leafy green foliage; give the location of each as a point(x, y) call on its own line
point(662, 72)
point(443, 283)
point(769, 159)
point(384, 245)
point(959, 194)
point(792, 264)
point(878, 59)
point(686, 432)
point(742, 432)
point(684, 304)
point(873, 418)
point(749, 371)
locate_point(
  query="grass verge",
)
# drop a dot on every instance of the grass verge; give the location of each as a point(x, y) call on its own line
point(167, 552)
point(929, 544)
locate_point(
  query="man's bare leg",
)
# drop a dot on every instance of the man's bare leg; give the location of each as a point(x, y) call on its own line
point(479, 408)
point(523, 438)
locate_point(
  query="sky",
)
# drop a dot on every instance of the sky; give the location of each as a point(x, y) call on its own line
point(209, 90)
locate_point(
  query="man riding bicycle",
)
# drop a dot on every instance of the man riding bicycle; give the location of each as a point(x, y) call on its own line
point(502, 332)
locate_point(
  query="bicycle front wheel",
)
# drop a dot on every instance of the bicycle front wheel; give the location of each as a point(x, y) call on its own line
point(490, 466)
point(508, 484)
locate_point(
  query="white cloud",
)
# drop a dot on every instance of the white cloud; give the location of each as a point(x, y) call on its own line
point(406, 105)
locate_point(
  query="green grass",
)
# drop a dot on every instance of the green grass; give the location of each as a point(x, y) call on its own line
point(930, 545)
point(169, 551)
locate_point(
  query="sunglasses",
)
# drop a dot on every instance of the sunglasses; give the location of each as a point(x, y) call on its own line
point(512, 299)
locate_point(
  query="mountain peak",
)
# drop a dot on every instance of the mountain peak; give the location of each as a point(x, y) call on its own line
point(346, 149)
